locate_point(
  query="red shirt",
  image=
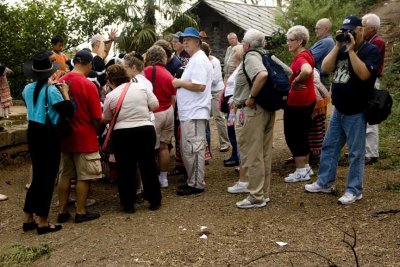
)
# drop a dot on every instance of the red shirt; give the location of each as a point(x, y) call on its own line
point(86, 101)
point(302, 97)
point(162, 87)
point(380, 43)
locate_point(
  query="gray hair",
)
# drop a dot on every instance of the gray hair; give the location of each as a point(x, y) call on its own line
point(95, 38)
point(300, 33)
point(372, 20)
point(155, 55)
point(255, 38)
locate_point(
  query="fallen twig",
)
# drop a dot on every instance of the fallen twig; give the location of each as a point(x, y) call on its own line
point(392, 211)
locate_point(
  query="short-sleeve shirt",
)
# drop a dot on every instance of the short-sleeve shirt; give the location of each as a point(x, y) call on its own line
point(61, 59)
point(163, 88)
point(86, 102)
point(320, 50)
point(231, 82)
point(303, 97)
point(134, 111)
point(174, 65)
point(37, 113)
point(195, 105)
point(349, 93)
point(217, 83)
point(254, 65)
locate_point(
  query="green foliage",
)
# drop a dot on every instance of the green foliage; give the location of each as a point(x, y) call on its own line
point(393, 186)
point(21, 255)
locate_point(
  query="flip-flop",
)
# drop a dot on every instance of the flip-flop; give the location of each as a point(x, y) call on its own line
point(29, 226)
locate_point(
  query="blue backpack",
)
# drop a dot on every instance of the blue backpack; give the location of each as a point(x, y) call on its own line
point(273, 94)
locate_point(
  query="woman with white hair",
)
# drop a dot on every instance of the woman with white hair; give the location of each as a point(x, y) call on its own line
point(300, 103)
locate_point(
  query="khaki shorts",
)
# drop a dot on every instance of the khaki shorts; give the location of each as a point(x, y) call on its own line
point(164, 126)
point(82, 166)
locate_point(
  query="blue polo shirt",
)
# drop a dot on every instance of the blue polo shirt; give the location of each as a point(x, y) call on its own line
point(37, 113)
point(320, 50)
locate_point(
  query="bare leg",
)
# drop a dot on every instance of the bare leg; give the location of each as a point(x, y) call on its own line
point(163, 157)
point(63, 195)
point(82, 191)
point(301, 162)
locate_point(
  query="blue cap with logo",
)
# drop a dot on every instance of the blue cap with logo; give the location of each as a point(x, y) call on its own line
point(351, 22)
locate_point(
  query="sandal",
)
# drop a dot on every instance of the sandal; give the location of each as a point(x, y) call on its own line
point(29, 226)
point(48, 229)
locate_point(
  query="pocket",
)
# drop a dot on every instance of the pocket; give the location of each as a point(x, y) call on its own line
point(194, 145)
point(250, 112)
point(93, 163)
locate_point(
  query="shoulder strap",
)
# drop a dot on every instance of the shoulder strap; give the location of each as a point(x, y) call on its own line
point(153, 76)
point(244, 69)
point(114, 118)
point(46, 101)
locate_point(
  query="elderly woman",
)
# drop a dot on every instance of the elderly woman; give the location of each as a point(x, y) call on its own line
point(134, 140)
point(300, 103)
point(156, 58)
point(217, 86)
point(45, 103)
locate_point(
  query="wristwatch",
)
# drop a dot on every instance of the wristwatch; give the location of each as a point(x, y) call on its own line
point(250, 96)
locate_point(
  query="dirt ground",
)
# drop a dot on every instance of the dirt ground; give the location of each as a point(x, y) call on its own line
point(312, 225)
point(309, 223)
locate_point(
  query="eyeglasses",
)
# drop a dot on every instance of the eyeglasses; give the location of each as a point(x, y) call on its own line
point(290, 40)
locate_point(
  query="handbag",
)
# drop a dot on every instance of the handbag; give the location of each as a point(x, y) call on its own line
point(63, 126)
point(106, 147)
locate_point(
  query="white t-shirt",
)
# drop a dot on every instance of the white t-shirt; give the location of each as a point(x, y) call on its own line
point(134, 109)
point(217, 81)
point(195, 105)
point(231, 82)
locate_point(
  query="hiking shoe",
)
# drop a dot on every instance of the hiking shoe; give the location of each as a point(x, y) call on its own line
point(186, 190)
point(238, 187)
point(88, 216)
point(249, 203)
point(63, 217)
point(349, 198)
point(298, 176)
point(315, 188)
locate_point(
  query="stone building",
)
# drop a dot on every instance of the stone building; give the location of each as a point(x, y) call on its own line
point(218, 18)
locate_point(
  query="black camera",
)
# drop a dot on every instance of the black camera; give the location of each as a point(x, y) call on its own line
point(344, 37)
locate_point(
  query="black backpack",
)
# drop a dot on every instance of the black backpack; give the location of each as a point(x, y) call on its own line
point(273, 94)
point(379, 107)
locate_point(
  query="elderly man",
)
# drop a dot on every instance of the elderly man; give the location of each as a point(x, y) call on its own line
point(255, 138)
point(179, 50)
point(322, 47)
point(371, 23)
point(100, 50)
point(355, 63)
point(194, 105)
point(229, 67)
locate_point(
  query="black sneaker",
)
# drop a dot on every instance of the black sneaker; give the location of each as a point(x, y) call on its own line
point(186, 190)
point(88, 216)
point(154, 207)
point(63, 217)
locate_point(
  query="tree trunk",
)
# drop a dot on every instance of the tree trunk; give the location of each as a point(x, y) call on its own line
point(150, 16)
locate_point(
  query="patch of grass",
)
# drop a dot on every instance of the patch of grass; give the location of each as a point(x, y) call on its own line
point(22, 255)
point(393, 186)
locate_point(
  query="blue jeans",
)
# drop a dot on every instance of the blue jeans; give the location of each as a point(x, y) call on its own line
point(232, 138)
point(344, 129)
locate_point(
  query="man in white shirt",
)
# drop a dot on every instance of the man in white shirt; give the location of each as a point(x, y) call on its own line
point(194, 105)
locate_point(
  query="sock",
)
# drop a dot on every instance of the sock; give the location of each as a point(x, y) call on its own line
point(243, 183)
point(308, 166)
point(163, 176)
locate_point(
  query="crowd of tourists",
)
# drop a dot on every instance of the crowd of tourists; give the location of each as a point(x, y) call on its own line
point(127, 112)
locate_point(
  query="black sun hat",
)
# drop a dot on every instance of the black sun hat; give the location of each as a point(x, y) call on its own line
point(40, 67)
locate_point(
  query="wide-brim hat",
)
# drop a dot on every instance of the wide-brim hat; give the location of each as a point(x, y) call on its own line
point(190, 32)
point(40, 67)
point(351, 22)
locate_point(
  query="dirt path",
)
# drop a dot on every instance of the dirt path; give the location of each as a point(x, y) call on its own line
point(171, 236)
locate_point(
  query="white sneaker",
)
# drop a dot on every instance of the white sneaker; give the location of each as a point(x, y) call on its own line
point(349, 198)
point(238, 187)
point(315, 188)
point(249, 203)
point(163, 183)
point(3, 197)
point(298, 176)
point(310, 171)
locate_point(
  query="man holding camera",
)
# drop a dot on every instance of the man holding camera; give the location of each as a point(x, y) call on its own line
point(355, 63)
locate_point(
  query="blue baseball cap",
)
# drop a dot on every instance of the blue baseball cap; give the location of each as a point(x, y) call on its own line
point(190, 32)
point(351, 22)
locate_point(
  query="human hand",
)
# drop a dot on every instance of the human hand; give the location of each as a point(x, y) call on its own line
point(112, 34)
point(250, 102)
point(8, 71)
point(350, 45)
